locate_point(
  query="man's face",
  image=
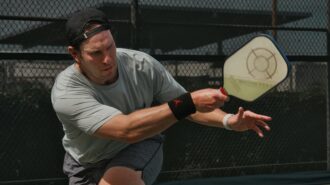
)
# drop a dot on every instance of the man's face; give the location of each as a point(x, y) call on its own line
point(97, 58)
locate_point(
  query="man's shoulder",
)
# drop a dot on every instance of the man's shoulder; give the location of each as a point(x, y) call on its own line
point(130, 52)
point(68, 79)
point(139, 59)
point(134, 55)
point(67, 74)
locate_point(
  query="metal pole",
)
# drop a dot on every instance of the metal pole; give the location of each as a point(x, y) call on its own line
point(274, 18)
point(134, 24)
point(328, 90)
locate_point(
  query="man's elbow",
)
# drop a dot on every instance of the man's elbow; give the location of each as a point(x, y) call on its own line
point(122, 129)
point(124, 135)
point(129, 137)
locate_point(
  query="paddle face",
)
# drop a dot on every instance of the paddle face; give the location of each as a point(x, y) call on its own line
point(255, 68)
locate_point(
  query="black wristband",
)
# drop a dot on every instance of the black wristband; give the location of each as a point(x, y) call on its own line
point(182, 106)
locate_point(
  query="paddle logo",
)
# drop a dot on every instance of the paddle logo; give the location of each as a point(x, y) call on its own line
point(261, 64)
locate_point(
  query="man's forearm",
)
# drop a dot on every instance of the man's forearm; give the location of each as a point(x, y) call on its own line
point(147, 122)
point(213, 118)
point(138, 125)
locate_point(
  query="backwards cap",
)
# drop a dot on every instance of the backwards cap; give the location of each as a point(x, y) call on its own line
point(76, 25)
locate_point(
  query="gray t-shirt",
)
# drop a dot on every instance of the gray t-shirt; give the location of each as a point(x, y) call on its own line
point(83, 106)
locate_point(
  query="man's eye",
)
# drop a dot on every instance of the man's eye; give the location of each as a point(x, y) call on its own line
point(95, 53)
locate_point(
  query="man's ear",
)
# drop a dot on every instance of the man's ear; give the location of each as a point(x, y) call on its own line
point(74, 53)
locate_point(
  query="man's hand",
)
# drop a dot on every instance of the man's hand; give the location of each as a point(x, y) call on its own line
point(246, 120)
point(206, 100)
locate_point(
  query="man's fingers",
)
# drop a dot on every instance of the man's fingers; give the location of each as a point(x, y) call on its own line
point(240, 112)
point(257, 116)
point(263, 125)
point(265, 118)
point(257, 130)
point(262, 117)
point(220, 96)
point(224, 93)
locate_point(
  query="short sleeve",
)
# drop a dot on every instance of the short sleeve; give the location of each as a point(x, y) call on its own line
point(83, 111)
point(166, 87)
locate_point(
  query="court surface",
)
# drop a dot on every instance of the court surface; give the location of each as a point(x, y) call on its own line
point(298, 178)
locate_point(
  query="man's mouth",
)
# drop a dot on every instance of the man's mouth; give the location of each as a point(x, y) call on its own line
point(107, 68)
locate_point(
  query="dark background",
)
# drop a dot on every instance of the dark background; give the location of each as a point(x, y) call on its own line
point(192, 40)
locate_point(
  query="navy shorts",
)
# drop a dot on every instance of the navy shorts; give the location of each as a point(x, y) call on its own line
point(145, 156)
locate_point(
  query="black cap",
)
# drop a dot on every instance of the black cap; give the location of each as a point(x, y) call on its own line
point(77, 22)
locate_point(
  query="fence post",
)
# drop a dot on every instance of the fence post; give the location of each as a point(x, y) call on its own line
point(328, 94)
point(274, 18)
point(134, 24)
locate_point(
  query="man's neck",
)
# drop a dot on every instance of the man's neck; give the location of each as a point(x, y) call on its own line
point(95, 80)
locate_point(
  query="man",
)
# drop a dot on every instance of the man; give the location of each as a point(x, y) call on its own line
point(112, 134)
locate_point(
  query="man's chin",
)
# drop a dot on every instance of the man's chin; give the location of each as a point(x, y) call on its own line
point(109, 78)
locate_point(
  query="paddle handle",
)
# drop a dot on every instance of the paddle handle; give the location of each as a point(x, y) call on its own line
point(223, 91)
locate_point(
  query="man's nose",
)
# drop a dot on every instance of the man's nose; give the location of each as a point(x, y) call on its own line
point(107, 59)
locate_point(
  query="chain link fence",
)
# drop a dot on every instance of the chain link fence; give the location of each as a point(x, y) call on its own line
point(191, 39)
